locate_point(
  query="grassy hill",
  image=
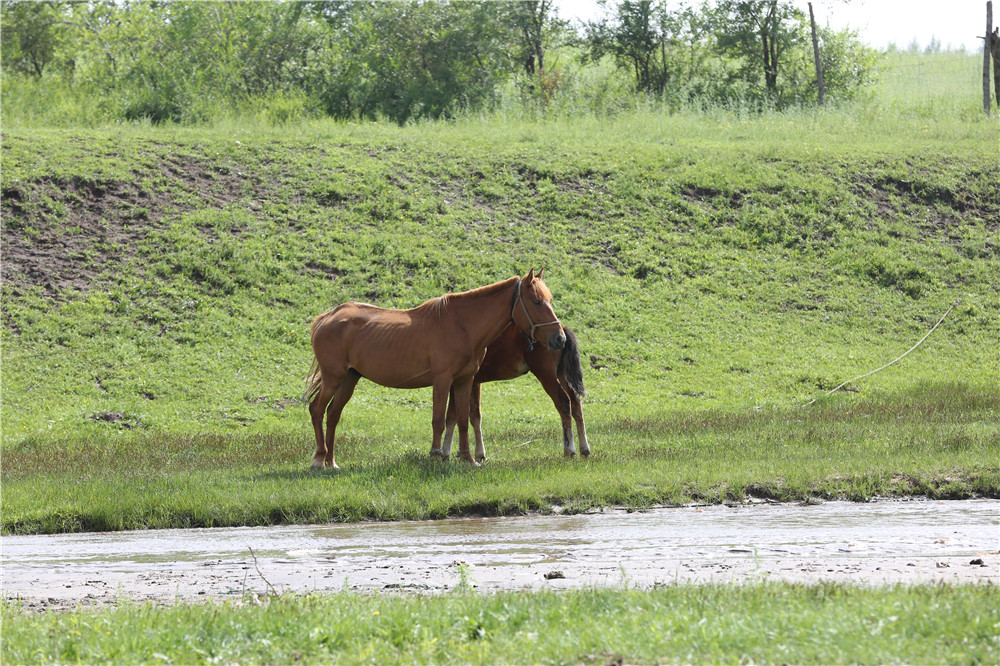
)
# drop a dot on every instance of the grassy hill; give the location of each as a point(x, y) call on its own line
point(719, 271)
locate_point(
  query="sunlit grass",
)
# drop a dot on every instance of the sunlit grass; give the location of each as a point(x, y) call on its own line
point(939, 441)
point(765, 623)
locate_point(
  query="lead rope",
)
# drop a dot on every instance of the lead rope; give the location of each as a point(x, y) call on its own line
point(900, 358)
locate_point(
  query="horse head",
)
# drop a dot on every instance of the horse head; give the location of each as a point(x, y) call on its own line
point(532, 311)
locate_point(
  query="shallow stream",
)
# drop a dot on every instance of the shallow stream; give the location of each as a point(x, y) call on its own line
point(867, 544)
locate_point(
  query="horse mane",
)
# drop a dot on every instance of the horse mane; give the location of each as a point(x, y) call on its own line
point(488, 290)
point(439, 306)
point(436, 306)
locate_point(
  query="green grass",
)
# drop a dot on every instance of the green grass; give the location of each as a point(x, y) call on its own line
point(719, 269)
point(938, 441)
point(934, 86)
point(767, 623)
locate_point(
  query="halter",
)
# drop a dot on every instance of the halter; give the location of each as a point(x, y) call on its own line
point(534, 326)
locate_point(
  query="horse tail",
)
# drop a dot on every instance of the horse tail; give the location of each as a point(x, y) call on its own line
point(315, 378)
point(313, 383)
point(569, 363)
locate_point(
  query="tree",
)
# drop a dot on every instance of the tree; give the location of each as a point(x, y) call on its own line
point(407, 60)
point(642, 37)
point(533, 21)
point(761, 33)
point(30, 35)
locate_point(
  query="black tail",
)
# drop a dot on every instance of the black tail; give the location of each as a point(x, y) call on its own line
point(569, 363)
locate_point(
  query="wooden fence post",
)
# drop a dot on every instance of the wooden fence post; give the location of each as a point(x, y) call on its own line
point(995, 50)
point(819, 66)
point(987, 39)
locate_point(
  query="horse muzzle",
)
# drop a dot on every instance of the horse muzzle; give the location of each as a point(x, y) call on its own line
point(557, 340)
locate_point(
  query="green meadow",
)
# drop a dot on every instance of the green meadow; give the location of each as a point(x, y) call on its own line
point(720, 271)
point(720, 268)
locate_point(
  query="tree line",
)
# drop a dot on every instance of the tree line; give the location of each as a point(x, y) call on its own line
point(181, 61)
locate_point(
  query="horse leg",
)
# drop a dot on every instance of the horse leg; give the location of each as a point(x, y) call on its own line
point(316, 409)
point(561, 400)
point(580, 427)
point(340, 398)
point(462, 389)
point(440, 391)
point(450, 420)
point(476, 418)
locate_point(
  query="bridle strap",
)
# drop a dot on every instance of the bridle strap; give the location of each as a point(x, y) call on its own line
point(517, 299)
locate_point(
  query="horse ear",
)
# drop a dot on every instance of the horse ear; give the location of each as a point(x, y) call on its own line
point(538, 275)
point(531, 275)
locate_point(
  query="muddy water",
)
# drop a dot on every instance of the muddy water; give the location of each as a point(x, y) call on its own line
point(868, 544)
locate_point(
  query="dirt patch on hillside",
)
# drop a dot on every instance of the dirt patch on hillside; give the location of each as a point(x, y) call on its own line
point(61, 234)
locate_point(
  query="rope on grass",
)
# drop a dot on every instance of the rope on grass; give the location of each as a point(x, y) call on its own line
point(900, 358)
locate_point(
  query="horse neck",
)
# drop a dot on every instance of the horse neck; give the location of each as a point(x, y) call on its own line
point(484, 312)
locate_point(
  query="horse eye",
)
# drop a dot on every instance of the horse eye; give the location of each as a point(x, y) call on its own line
point(538, 302)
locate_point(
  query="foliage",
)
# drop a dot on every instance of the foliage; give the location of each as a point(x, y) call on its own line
point(761, 34)
point(193, 62)
point(414, 60)
point(537, 26)
point(754, 54)
point(31, 36)
point(744, 54)
point(662, 49)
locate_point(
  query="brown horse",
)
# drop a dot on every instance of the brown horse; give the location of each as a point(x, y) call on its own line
point(440, 344)
point(512, 355)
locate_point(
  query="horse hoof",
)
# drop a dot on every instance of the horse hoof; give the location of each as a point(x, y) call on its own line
point(437, 453)
point(569, 454)
point(317, 464)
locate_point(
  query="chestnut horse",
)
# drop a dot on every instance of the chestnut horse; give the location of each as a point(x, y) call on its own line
point(440, 344)
point(512, 355)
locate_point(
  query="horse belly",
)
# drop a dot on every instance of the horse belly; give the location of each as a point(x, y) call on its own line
point(496, 369)
point(391, 358)
point(394, 379)
point(392, 366)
